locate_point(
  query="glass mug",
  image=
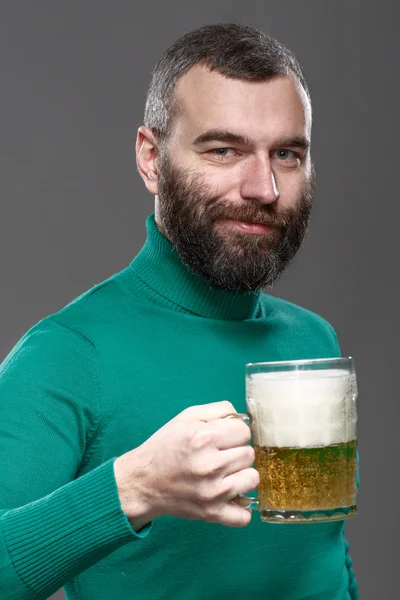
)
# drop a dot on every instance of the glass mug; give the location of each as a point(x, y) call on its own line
point(303, 419)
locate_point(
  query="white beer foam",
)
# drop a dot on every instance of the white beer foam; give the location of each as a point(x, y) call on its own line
point(302, 408)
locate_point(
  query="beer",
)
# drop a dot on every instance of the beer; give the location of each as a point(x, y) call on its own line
point(304, 436)
point(307, 479)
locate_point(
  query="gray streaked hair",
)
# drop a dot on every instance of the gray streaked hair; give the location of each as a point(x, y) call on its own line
point(236, 51)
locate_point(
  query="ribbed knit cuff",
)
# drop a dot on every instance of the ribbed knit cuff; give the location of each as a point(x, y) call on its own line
point(53, 539)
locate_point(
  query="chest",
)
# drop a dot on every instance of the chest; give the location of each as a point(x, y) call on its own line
point(152, 371)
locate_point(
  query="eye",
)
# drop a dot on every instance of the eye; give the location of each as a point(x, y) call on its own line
point(283, 154)
point(224, 152)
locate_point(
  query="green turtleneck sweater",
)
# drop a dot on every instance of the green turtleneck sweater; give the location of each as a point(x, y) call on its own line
point(95, 380)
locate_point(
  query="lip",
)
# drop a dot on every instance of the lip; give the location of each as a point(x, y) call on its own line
point(253, 228)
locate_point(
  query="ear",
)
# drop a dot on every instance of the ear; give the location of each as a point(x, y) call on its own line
point(147, 157)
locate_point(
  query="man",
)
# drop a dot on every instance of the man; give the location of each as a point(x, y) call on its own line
point(118, 468)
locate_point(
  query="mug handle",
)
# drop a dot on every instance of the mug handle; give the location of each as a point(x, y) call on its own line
point(250, 503)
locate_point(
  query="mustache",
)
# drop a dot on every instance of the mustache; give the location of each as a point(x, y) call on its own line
point(262, 215)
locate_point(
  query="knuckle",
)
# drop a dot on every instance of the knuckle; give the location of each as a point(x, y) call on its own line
point(213, 469)
point(206, 495)
point(201, 438)
point(191, 413)
point(186, 412)
point(200, 468)
point(228, 406)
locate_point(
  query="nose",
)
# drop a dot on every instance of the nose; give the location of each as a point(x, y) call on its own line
point(258, 182)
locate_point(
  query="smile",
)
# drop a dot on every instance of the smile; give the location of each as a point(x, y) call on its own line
point(254, 228)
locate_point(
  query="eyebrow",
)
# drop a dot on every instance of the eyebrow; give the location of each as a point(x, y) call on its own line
point(295, 141)
point(221, 135)
point(226, 136)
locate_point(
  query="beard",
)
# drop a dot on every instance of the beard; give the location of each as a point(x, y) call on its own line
point(229, 259)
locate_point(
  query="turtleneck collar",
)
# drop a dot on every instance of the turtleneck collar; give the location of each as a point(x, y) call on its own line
point(160, 267)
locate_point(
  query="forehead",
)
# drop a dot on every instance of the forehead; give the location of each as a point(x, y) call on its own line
point(258, 109)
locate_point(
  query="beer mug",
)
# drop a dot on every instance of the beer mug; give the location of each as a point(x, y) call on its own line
point(303, 419)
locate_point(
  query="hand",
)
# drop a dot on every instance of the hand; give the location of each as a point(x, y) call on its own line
point(193, 468)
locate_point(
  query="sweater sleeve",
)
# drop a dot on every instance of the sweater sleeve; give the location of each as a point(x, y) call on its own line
point(53, 523)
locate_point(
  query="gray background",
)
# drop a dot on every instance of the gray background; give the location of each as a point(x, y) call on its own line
point(74, 78)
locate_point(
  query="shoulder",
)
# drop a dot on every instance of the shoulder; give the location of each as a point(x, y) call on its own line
point(291, 313)
point(63, 336)
point(94, 306)
point(299, 320)
point(80, 321)
point(50, 349)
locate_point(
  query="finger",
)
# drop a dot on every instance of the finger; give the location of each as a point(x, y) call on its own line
point(232, 515)
point(229, 433)
point(236, 459)
point(207, 412)
point(241, 482)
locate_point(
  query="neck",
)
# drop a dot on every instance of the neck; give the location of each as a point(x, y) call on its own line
point(159, 266)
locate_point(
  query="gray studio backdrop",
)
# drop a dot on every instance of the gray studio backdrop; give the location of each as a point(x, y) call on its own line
point(73, 82)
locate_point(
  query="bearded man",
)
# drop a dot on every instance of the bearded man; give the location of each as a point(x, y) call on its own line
point(120, 473)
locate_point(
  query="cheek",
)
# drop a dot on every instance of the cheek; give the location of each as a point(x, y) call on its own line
point(222, 184)
point(291, 188)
